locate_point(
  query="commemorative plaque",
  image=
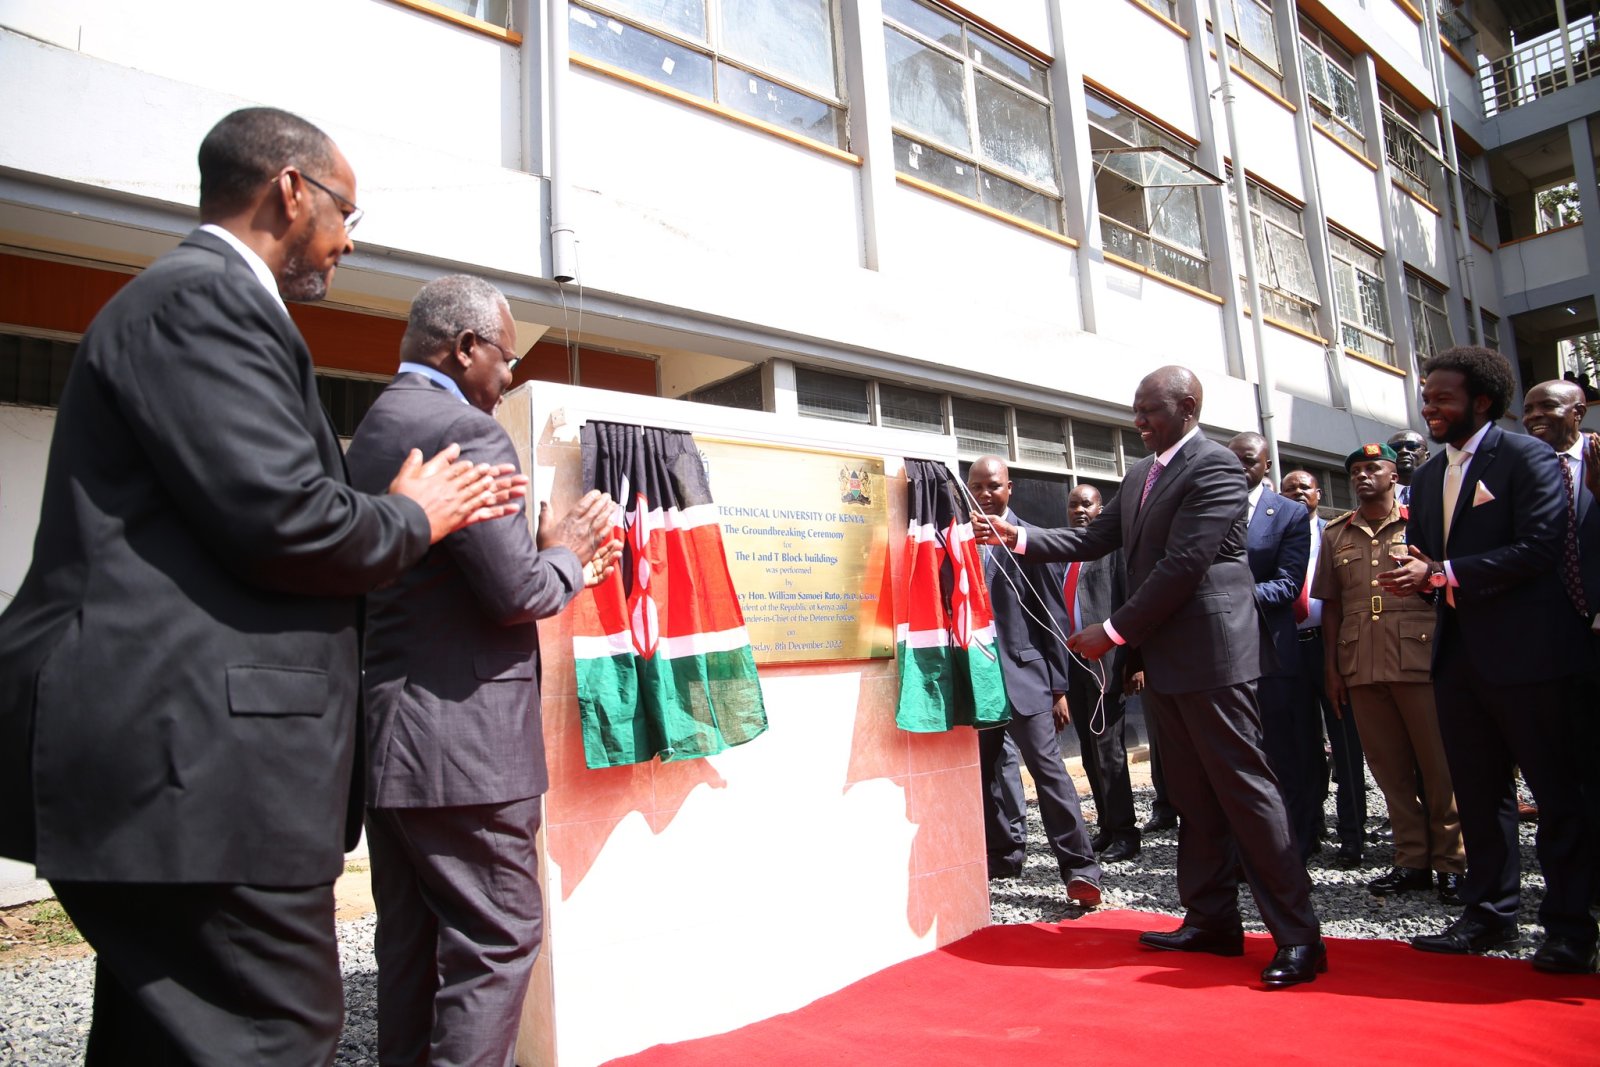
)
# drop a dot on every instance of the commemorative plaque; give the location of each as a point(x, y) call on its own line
point(806, 535)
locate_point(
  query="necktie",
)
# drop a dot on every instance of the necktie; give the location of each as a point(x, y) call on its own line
point(1569, 547)
point(1150, 479)
point(1302, 603)
point(1452, 487)
point(1069, 592)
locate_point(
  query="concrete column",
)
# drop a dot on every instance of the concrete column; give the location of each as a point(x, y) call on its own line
point(866, 77)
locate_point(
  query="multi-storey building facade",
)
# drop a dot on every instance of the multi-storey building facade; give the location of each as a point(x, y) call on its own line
point(985, 221)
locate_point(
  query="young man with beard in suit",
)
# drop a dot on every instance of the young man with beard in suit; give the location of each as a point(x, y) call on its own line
point(1279, 546)
point(1191, 615)
point(456, 767)
point(1033, 662)
point(1487, 532)
point(179, 672)
point(1095, 704)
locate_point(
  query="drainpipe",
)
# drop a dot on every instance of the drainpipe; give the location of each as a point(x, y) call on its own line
point(563, 241)
point(1447, 137)
point(1241, 192)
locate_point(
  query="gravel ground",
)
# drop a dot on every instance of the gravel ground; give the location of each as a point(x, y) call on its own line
point(44, 1004)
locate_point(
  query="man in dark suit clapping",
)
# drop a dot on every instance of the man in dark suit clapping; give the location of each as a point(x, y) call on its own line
point(1191, 615)
point(178, 673)
point(456, 742)
point(1488, 532)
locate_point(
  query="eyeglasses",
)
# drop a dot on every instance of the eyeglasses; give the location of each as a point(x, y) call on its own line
point(503, 352)
point(352, 214)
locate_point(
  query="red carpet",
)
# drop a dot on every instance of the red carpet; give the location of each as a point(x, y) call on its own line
point(1086, 992)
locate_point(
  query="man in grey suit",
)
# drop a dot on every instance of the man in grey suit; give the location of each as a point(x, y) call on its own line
point(1191, 619)
point(456, 742)
point(1033, 660)
point(179, 671)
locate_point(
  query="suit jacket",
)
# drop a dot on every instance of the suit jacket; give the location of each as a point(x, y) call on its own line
point(1588, 542)
point(1279, 545)
point(1505, 551)
point(1191, 612)
point(178, 672)
point(1102, 589)
point(452, 655)
point(1032, 658)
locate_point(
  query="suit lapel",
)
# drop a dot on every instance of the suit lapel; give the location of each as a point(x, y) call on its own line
point(1480, 463)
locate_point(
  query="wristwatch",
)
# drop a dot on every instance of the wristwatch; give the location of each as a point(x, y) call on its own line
point(1436, 575)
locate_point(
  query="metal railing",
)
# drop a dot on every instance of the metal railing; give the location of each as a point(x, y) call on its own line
point(1541, 67)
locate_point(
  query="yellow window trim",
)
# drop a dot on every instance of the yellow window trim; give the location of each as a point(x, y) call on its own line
point(984, 209)
point(713, 108)
point(1159, 17)
point(1140, 268)
point(1378, 363)
point(1357, 156)
point(488, 29)
point(1288, 328)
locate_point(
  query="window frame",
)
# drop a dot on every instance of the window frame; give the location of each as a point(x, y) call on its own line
point(1337, 242)
point(1324, 113)
point(1291, 301)
point(1270, 72)
point(440, 10)
point(711, 48)
point(1425, 176)
point(1151, 134)
point(1426, 314)
point(971, 70)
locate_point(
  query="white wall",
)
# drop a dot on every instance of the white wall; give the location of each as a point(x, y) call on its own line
point(1349, 190)
point(1159, 80)
point(1553, 257)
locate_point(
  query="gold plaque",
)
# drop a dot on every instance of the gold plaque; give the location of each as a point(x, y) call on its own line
point(806, 535)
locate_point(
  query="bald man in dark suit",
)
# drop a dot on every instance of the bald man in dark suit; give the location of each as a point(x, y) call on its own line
point(1191, 618)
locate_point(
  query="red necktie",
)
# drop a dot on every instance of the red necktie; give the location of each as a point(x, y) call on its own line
point(1302, 603)
point(1069, 592)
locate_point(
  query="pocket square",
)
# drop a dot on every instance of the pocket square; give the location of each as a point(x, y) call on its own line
point(1481, 495)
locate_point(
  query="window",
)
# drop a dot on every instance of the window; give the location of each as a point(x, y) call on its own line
point(33, 370)
point(773, 60)
point(1479, 202)
point(1283, 265)
point(347, 399)
point(971, 115)
point(832, 396)
point(1133, 449)
point(1491, 329)
point(743, 390)
point(1143, 217)
point(494, 12)
point(1041, 439)
point(981, 428)
point(1094, 448)
point(1168, 8)
point(1415, 162)
point(910, 409)
point(1331, 86)
point(1252, 41)
point(1430, 323)
point(1358, 289)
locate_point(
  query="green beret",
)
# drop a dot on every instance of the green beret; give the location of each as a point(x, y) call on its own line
point(1366, 453)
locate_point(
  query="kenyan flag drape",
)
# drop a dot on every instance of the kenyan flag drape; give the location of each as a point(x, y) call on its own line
point(945, 642)
point(663, 661)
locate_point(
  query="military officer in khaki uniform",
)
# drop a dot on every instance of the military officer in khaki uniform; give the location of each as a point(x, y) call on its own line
point(1379, 653)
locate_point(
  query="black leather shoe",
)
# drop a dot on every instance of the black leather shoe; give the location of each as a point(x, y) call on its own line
point(1100, 841)
point(1349, 856)
point(1468, 935)
point(1401, 880)
point(1450, 887)
point(1121, 849)
point(1294, 964)
point(998, 869)
point(1565, 955)
point(1083, 891)
point(1188, 938)
point(1158, 823)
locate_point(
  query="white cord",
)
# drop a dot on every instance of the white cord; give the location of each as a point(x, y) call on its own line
point(1096, 669)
